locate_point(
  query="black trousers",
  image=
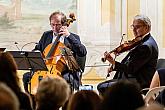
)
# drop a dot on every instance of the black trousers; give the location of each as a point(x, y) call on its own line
point(101, 87)
point(26, 80)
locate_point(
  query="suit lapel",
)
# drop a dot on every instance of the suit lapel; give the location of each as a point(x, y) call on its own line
point(67, 44)
point(50, 38)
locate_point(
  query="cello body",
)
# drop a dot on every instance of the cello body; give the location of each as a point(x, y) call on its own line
point(55, 64)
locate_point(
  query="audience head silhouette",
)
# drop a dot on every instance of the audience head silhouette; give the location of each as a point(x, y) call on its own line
point(8, 75)
point(52, 93)
point(9, 100)
point(8, 70)
point(123, 95)
point(84, 100)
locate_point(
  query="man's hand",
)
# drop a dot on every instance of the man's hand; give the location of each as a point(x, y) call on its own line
point(109, 69)
point(109, 57)
point(64, 31)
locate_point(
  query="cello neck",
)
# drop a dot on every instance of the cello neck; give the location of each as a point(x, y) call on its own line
point(50, 53)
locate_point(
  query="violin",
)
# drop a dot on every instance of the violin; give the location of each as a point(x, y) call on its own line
point(124, 47)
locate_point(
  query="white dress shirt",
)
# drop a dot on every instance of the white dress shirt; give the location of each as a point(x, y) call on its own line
point(55, 36)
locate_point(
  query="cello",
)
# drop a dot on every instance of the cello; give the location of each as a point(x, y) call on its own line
point(57, 59)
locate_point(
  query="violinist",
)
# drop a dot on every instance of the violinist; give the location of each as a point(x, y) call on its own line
point(139, 64)
point(70, 40)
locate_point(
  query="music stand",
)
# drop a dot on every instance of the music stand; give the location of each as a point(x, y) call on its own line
point(32, 61)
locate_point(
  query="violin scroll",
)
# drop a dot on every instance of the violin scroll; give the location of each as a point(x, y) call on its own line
point(103, 59)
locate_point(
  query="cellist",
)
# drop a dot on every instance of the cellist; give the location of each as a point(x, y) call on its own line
point(70, 40)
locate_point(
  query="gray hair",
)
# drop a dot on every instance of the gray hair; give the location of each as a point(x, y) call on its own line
point(143, 18)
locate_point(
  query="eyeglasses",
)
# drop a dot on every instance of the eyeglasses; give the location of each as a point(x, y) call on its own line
point(57, 25)
point(136, 26)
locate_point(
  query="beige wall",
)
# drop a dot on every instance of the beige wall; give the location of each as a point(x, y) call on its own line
point(163, 20)
point(107, 11)
point(132, 10)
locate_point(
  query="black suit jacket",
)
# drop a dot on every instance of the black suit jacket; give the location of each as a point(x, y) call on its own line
point(140, 62)
point(73, 42)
